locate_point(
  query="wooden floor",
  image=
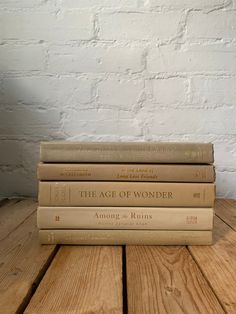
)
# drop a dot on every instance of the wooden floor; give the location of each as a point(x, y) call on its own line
point(103, 279)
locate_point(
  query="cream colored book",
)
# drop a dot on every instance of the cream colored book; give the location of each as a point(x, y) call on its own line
point(126, 172)
point(143, 152)
point(125, 218)
point(151, 194)
point(125, 237)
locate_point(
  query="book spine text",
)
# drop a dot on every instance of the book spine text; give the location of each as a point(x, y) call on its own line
point(151, 194)
point(125, 218)
point(126, 152)
point(126, 172)
point(125, 237)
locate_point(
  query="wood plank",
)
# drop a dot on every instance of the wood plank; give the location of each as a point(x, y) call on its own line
point(22, 263)
point(226, 210)
point(13, 213)
point(218, 264)
point(166, 280)
point(81, 279)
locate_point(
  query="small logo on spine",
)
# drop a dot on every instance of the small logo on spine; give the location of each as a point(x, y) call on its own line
point(191, 220)
point(57, 218)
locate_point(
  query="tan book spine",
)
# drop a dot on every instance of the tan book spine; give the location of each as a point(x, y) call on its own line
point(125, 237)
point(125, 218)
point(126, 172)
point(151, 194)
point(143, 152)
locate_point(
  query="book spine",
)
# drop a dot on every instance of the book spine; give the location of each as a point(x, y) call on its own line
point(125, 218)
point(126, 172)
point(126, 152)
point(126, 194)
point(125, 237)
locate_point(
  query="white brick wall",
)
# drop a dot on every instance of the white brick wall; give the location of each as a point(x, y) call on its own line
point(161, 90)
point(138, 26)
point(216, 25)
point(143, 70)
point(193, 58)
point(64, 26)
point(20, 58)
point(186, 4)
point(119, 93)
point(93, 59)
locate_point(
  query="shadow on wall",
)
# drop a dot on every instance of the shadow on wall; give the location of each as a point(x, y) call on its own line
point(25, 120)
point(37, 108)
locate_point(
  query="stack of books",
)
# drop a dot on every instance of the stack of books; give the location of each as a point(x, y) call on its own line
point(126, 193)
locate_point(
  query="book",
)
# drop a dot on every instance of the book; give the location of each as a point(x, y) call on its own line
point(126, 172)
point(153, 194)
point(125, 218)
point(125, 237)
point(133, 152)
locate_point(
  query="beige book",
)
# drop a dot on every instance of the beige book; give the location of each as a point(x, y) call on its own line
point(125, 218)
point(151, 194)
point(143, 152)
point(126, 172)
point(125, 237)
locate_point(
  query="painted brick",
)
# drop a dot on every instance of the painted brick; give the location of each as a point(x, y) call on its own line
point(94, 60)
point(30, 153)
point(13, 4)
point(121, 93)
point(225, 154)
point(139, 26)
point(98, 4)
point(121, 70)
point(28, 121)
point(11, 153)
point(46, 91)
point(196, 58)
point(189, 121)
point(22, 58)
point(191, 4)
point(68, 25)
point(218, 24)
point(169, 91)
point(102, 121)
point(225, 184)
point(220, 91)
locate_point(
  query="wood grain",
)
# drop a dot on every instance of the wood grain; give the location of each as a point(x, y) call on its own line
point(85, 279)
point(218, 264)
point(81, 280)
point(226, 210)
point(13, 213)
point(22, 263)
point(166, 280)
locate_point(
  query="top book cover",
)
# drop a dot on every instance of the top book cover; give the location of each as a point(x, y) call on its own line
point(126, 152)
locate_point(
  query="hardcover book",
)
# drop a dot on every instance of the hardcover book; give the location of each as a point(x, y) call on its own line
point(153, 194)
point(126, 172)
point(125, 218)
point(125, 237)
point(133, 152)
